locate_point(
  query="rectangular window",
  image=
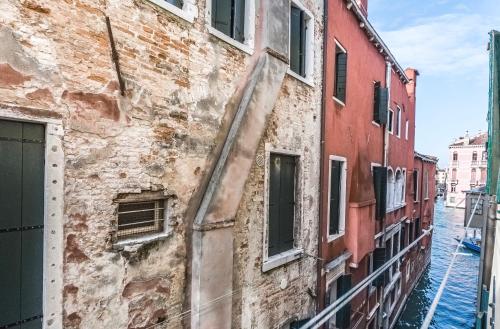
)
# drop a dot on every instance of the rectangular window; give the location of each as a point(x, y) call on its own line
point(282, 175)
point(417, 228)
point(390, 121)
point(380, 187)
point(426, 185)
point(398, 122)
point(140, 218)
point(407, 128)
point(337, 289)
point(340, 83)
point(411, 236)
point(415, 185)
point(228, 16)
point(380, 103)
point(298, 40)
point(337, 198)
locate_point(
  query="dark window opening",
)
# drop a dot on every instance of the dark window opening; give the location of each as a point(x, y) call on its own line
point(228, 16)
point(177, 3)
point(390, 121)
point(281, 203)
point(298, 28)
point(139, 218)
point(415, 185)
point(340, 74)
point(455, 156)
point(380, 186)
point(335, 196)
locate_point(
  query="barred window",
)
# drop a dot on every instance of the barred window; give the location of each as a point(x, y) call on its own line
point(140, 218)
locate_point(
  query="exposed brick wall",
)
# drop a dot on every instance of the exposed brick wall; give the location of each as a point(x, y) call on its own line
point(56, 57)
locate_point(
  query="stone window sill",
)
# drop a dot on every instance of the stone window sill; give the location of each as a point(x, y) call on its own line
point(141, 240)
point(300, 78)
point(334, 237)
point(281, 259)
point(241, 46)
point(399, 206)
point(338, 101)
point(182, 13)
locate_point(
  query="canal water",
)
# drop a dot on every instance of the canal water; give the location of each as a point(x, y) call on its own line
point(457, 306)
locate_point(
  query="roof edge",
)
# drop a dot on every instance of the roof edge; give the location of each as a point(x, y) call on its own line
point(371, 30)
point(425, 157)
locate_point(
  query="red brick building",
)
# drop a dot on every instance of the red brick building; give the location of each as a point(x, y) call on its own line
point(370, 175)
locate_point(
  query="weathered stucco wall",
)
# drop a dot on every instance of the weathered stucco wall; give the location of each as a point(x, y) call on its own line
point(181, 82)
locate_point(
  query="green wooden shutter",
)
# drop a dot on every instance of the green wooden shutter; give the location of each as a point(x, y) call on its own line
point(343, 316)
point(378, 262)
point(239, 20)
point(221, 16)
point(302, 46)
point(274, 204)
point(287, 202)
point(380, 187)
point(21, 224)
point(295, 40)
point(335, 195)
point(380, 104)
point(340, 75)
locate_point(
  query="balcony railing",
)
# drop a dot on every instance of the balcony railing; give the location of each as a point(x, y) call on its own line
point(474, 163)
point(454, 163)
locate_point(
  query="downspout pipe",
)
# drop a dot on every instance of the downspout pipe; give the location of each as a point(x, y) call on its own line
point(320, 262)
point(388, 72)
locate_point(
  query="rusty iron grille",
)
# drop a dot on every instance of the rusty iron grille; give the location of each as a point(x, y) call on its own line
point(140, 218)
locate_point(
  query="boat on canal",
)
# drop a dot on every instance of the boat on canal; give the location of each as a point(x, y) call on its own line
point(471, 243)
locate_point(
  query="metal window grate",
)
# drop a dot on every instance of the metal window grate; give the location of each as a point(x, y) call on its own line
point(139, 218)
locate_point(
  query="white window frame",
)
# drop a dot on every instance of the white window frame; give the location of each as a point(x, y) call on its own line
point(403, 172)
point(426, 184)
point(407, 129)
point(390, 190)
point(309, 44)
point(338, 44)
point(343, 196)
point(390, 127)
point(390, 236)
point(297, 251)
point(188, 12)
point(398, 117)
point(249, 25)
point(53, 233)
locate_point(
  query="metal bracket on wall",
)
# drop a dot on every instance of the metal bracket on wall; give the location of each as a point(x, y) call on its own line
point(114, 56)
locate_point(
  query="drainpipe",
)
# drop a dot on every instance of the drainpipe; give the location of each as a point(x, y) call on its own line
point(388, 72)
point(320, 262)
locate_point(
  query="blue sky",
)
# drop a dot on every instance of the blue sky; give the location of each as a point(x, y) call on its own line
point(446, 41)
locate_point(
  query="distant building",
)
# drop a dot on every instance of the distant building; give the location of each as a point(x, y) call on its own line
point(441, 177)
point(467, 169)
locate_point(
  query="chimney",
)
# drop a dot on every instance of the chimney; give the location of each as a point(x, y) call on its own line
point(411, 87)
point(363, 4)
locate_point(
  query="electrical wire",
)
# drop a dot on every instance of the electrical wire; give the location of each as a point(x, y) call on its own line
point(435, 302)
point(332, 309)
point(208, 306)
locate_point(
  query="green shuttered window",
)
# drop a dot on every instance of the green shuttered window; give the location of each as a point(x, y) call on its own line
point(380, 187)
point(336, 168)
point(282, 176)
point(298, 41)
point(343, 316)
point(380, 104)
point(228, 16)
point(340, 74)
point(22, 164)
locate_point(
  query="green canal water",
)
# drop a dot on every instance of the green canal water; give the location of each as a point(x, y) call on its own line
point(457, 306)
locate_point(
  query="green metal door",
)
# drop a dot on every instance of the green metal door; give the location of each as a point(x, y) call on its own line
point(21, 224)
